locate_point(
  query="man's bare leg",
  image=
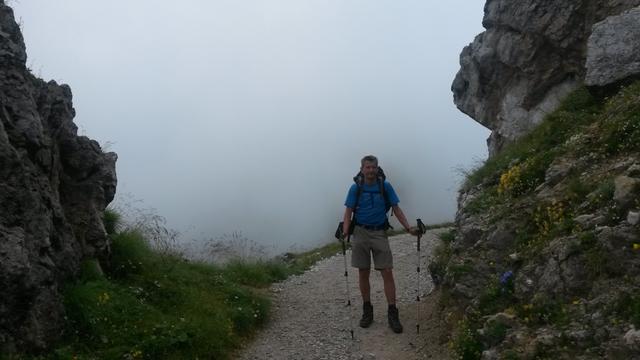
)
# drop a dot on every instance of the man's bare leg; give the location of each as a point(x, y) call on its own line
point(389, 285)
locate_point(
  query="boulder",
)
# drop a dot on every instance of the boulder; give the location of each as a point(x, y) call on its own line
point(625, 190)
point(613, 49)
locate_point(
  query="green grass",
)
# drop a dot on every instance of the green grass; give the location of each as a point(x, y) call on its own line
point(148, 305)
point(466, 343)
point(111, 220)
point(627, 307)
point(298, 263)
point(496, 297)
point(154, 307)
point(620, 128)
point(542, 145)
point(442, 254)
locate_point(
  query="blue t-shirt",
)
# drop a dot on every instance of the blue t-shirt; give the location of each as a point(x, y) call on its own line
point(371, 206)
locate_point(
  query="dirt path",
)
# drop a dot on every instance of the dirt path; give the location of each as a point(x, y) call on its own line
point(310, 319)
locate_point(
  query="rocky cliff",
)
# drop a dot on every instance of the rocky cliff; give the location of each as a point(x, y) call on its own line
point(532, 54)
point(54, 186)
point(545, 258)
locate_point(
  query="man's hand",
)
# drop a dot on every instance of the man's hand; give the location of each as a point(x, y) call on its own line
point(415, 231)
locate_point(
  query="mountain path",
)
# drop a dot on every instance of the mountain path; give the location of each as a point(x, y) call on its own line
point(310, 319)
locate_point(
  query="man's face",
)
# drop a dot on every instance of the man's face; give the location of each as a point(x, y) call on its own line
point(370, 170)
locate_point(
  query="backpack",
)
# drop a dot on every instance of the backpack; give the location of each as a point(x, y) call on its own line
point(381, 177)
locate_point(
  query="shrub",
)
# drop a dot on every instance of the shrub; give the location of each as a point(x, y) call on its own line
point(484, 201)
point(112, 220)
point(498, 295)
point(543, 311)
point(466, 343)
point(442, 253)
point(130, 252)
point(627, 306)
point(620, 130)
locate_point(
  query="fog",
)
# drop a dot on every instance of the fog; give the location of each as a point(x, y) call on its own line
point(253, 115)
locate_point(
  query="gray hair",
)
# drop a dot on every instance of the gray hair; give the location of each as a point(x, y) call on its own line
point(369, 158)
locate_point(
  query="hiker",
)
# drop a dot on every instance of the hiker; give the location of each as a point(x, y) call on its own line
point(376, 196)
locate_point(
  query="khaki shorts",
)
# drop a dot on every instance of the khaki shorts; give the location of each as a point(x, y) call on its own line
point(370, 242)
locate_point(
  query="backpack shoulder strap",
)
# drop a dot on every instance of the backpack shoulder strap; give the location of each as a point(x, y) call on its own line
point(358, 180)
point(385, 195)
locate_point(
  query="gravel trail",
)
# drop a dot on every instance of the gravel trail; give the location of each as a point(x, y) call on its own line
point(310, 319)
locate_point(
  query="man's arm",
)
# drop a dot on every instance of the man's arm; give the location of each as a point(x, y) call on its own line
point(403, 220)
point(346, 221)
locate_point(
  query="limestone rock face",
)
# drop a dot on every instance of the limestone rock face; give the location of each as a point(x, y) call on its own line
point(54, 187)
point(531, 55)
point(613, 49)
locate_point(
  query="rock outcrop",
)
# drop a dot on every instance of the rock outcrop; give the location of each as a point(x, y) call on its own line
point(54, 187)
point(531, 55)
point(545, 258)
point(613, 49)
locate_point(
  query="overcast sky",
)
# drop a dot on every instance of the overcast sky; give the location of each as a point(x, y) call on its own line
point(253, 115)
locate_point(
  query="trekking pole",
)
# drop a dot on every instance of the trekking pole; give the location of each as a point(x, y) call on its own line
point(340, 236)
point(422, 228)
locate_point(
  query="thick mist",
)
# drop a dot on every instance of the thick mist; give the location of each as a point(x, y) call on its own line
point(253, 115)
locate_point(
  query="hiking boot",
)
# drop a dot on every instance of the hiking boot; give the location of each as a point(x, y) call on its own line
point(367, 315)
point(394, 320)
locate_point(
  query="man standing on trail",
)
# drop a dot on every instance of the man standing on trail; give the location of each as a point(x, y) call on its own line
point(370, 200)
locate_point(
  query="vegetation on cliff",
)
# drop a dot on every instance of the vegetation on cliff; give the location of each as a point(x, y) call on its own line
point(546, 253)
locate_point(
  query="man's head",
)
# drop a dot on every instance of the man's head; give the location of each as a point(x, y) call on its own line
point(369, 168)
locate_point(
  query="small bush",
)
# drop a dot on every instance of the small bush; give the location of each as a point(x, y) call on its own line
point(130, 252)
point(498, 295)
point(466, 343)
point(90, 270)
point(442, 253)
point(524, 177)
point(112, 220)
point(496, 332)
point(542, 311)
point(627, 307)
point(620, 130)
point(484, 201)
point(577, 190)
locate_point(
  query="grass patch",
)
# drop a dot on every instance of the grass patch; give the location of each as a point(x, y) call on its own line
point(541, 146)
point(111, 220)
point(497, 296)
point(299, 263)
point(152, 305)
point(620, 130)
point(442, 254)
point(627, 307)
point(543, 311)
point(466, 343)
point(484, 201)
